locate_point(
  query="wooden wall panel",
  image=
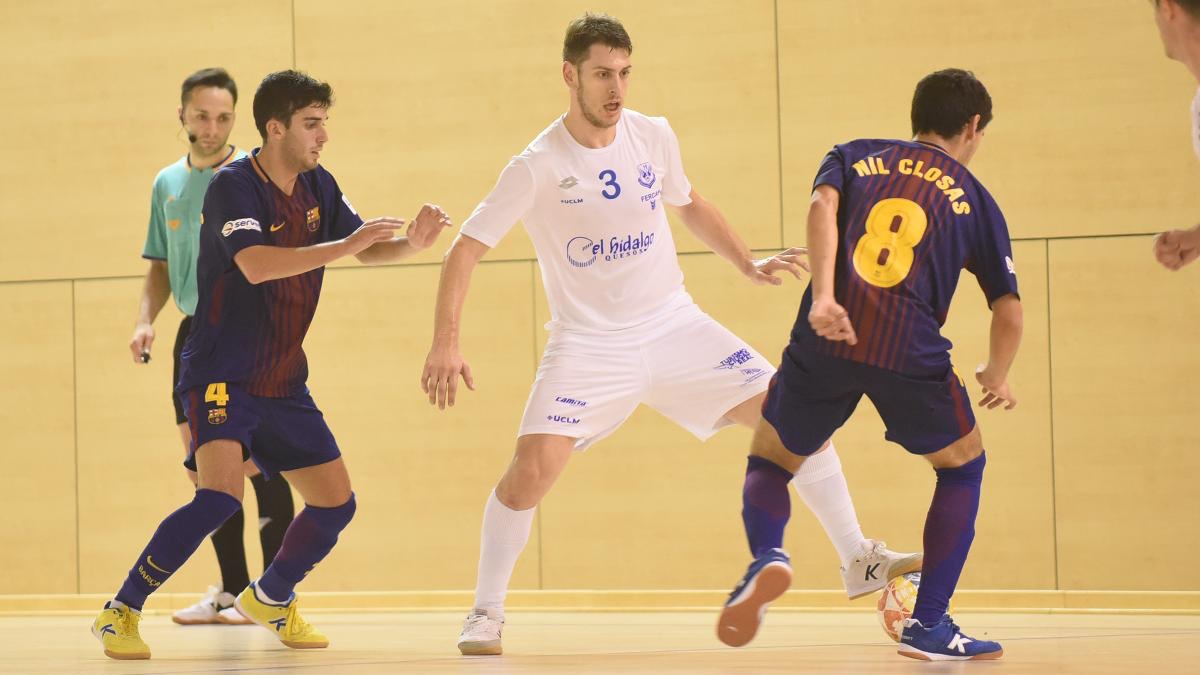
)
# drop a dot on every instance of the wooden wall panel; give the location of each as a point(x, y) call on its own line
point(432, 110)
point(1125, 370)
point(421, 475)
point(98, 88)
point(38, 544)
point(1091, 128)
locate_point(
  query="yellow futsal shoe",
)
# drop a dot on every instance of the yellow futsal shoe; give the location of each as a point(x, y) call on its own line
point(117, 629)
point(285, 622)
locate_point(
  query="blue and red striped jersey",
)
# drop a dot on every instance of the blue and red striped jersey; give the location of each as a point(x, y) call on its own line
point(910, 219)
point(253, 334)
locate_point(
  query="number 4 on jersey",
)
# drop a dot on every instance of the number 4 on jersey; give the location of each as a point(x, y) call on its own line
point(216, 393)
point(884, 255)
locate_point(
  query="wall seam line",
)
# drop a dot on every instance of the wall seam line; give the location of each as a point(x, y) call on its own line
point(1053, 459)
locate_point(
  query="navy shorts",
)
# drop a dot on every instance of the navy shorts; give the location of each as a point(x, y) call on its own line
point(279, 434)
point(813, 395)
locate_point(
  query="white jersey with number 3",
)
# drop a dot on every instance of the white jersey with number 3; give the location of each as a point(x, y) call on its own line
point(597, 220)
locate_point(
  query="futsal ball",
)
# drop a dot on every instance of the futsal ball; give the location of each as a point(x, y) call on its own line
point(896, 603)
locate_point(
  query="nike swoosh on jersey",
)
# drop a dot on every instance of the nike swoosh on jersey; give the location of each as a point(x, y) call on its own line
point(279, 226)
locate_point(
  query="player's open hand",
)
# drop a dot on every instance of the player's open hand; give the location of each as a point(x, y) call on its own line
point(439, 378)
point(372, 232)
point(996, 391)
point(831, 321)
point(143, 338)
point(1177, 248)
point(792, 260)
point(426, 227)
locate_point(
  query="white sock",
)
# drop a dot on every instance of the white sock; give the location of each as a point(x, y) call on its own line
point(822, 485)
point(265, 599)
point(117, 604)
point(505, 533)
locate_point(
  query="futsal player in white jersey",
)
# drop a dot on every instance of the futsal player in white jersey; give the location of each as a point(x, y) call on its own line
point(1179, 25)
point(592, 190)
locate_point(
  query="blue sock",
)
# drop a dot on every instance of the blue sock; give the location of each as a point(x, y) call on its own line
point(175, 540)
point(766, 504)
point(949, 530)
point(309, 539)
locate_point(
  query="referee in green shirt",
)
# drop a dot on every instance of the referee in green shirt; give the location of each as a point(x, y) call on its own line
point(206, 114)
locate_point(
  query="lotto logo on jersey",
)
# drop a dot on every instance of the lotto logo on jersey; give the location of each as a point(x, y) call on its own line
point(241, 224)
point(583, 251)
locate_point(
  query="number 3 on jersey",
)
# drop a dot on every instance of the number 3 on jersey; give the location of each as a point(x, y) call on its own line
point(216, 393)
point(610, 181)
point(884, 255)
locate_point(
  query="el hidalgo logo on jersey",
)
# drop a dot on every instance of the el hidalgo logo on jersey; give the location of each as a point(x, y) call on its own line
point(312, 219)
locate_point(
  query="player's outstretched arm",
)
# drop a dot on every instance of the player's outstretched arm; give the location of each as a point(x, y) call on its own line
point(705, 221)
point(1007, 324)
point(827, 318)
point(422, 232)
point(444, 364)
point(265, 263)
point(1176, 248)
point(155, 291)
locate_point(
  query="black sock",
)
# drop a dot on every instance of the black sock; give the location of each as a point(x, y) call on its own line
point(231, 553)
point(275, 513)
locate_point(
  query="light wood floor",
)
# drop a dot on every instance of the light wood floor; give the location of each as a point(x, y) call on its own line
point(583, 643)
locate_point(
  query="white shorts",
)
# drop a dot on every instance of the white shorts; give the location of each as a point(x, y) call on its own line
point(685, 365)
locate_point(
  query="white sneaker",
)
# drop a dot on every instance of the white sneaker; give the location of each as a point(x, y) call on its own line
point(874, 566)
point(481, 634)
point(207, 610)
point(231, 617)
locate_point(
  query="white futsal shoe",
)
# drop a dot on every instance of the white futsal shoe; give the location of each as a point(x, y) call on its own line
point(874, 566)
point(207, 610)
point(481, 634)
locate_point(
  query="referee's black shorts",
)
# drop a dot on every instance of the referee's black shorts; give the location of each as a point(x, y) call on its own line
point(185, 327)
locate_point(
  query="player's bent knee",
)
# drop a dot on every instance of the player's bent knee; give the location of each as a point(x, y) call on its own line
point(520, 491)
point(766, 444)
point(345, 513)
point(330, 520)
point(216, 505)
point(965, 450)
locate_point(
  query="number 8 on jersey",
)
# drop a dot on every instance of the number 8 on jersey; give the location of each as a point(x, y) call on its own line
point(884, 255)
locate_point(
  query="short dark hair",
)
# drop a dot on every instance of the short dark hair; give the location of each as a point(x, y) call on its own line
point(945, 102)
point(207, 77)
point(591, 29)
point(284, 92)
point(1190, 6)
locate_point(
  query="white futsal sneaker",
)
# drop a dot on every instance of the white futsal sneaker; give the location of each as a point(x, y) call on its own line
point(874, 566)
point(481, 633)
point(208, 611)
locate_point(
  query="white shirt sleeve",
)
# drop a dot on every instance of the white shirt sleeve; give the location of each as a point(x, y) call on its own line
point(677, 189)
point(507, 203)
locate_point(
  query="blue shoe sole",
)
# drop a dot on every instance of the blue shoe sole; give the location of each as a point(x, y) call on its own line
point(739, 620)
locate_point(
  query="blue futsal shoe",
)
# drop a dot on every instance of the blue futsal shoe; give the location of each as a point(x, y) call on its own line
point(943, 641)
point(767, 579)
